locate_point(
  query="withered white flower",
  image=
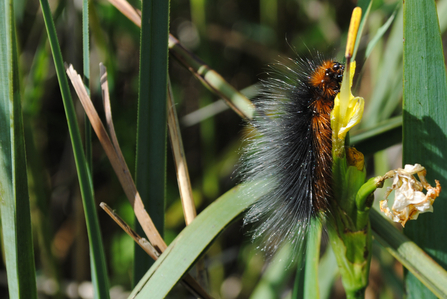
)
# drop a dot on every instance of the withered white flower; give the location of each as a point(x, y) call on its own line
point(409, 200)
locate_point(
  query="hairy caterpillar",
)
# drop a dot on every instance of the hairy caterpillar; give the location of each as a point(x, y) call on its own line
point(290, 153)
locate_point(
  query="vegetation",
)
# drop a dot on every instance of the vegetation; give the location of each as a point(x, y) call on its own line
point(55, 239)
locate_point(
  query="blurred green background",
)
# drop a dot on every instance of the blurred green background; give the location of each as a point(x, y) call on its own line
point(238, 39)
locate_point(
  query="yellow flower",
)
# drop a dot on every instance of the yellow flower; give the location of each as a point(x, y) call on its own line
point(347, 112)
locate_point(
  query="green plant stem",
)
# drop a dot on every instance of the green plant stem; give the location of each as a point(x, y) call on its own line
point(348, 226)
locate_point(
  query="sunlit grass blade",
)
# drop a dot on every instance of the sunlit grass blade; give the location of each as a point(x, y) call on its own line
point(365, 5)
point(382, 30)
point(306, 280)
point(412, 257)
point(150, 158)
point(183, 180)
point(425, 126)
point(383, 101)
point(192, 242)
point(15, 209)
point(97, 258)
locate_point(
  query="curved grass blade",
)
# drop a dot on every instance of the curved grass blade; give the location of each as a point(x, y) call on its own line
point(15, 206)
point(97, 258)
point(425, 126)
point(192, 242)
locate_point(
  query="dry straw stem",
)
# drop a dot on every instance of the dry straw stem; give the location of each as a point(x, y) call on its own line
point(184, 183)
point(156, 245)
point(118, 163)
point(210, 78)
point(183, 180)
point(144, 244)
point(188, 281)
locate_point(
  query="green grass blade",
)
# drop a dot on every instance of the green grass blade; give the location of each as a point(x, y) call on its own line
point(15, 207)
point(382, 104)
point(86, 66)
point(327, 273)
point(275, 276)
point(191, 242)
point(365, 5)
point(97, 258)
point(379, 137)
point(425, 126)
point(151, 131)
point(311, 289)
point(380, 33)
point(412, 257)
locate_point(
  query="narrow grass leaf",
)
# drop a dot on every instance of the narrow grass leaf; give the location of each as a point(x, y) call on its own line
point(389, 75)
point(311, 289)
point(15, 206)
point(86, 64)
point(425, 126)
point(380, 33)
point(365, 5)
point(152, 121)
point(327, 273)
point(97, 258)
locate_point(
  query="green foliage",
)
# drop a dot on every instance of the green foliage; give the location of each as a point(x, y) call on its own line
point(236, 39)
point(15, 206)
point(425, 124)
point(98, 264)
point(151, 129)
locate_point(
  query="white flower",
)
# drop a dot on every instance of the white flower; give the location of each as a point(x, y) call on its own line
point(409, 200)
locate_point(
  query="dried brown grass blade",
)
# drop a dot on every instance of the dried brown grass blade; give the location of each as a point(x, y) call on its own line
point(126, 9)
point(184, 183)
point(144, 244)
point(118, 163)
point(188, 281)
point(183, 180)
